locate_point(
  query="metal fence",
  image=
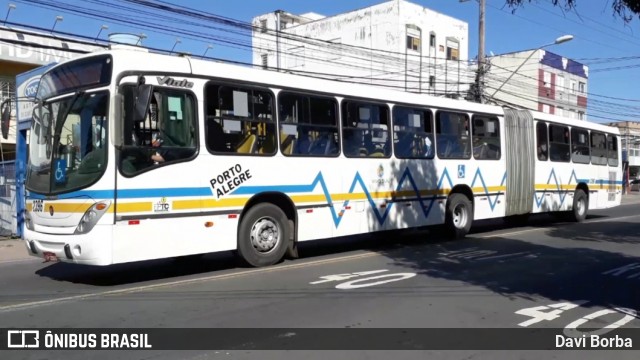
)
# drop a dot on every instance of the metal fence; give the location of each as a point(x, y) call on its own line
point(8, 221)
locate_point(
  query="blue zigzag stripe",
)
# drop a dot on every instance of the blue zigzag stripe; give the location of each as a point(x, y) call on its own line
point(563, 194)
point(357, 180)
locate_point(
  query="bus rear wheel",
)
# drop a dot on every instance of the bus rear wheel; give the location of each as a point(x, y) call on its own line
point(263, 235)
point(458, 216)
point(580, 206)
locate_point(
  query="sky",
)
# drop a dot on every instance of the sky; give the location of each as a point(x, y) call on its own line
point(602, 41)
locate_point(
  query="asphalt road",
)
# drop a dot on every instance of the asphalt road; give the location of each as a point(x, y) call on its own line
point(500, 276)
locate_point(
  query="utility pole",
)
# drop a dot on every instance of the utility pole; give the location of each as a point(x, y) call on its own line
point(278, 25)
point(477, 89)
point(481, 65)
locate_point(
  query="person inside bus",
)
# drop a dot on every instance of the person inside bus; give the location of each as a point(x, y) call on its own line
point(542, 152)
point(160, 142)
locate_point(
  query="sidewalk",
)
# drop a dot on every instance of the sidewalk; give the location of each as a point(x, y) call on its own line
point(12, 250)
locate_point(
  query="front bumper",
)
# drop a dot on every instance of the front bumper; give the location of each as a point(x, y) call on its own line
point(93, 248)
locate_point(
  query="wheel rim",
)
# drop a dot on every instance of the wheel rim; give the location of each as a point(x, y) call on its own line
point(265, 235)
point(459, 216)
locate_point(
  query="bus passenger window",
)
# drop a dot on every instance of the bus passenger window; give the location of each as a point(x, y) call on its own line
point(452, 135)
point(240, 120)
point(598, 148)
point(308, 125)
point(365, 129)
point(580, 146)
point(486, 138)
point(542, 147)
point(612, 147)
point(559, 142)
point(412, 133)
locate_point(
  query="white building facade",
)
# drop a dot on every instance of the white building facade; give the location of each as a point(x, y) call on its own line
point(396, 44)
point(543, 81)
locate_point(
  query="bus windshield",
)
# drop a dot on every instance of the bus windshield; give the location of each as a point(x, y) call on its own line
point(68, 143)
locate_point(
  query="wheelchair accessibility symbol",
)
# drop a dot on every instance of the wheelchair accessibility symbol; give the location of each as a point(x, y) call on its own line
point(61, 171)
point(460, 171)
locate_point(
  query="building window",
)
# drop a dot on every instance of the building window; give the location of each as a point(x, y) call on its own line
point(432, 40)
point(580, 115)
point(559, 111)
point(546, 79)
point(582, 87)
point(453, 49)
point(263, 25)
point(413, 43)
point(573, 87)
point(265, 60)
point(560, 83)
point(545, 109)
point(283, 24)
point(432, 81)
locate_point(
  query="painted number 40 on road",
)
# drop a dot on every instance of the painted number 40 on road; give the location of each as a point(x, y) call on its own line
point(363, 279)
point(554, 311)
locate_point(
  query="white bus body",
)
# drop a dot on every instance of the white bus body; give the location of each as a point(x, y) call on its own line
point(259, 197)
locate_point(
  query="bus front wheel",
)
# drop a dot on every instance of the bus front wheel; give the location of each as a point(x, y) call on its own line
point(263, 235)
point(458, 216)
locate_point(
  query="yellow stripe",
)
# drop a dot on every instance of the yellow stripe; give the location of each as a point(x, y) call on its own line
point(555, 187)
point(482, 191)
point(134, 207)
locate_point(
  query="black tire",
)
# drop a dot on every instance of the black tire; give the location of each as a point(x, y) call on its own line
point(263, 235)
point(458, 216)
point(580, 206)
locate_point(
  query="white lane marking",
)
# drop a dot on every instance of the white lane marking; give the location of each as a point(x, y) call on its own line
point(32, 304)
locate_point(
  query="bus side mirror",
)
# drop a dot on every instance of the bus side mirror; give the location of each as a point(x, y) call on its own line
point(6, 118)
point(143, 98)
point(118, 122)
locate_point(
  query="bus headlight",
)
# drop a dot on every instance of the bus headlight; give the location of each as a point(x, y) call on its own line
point(91, 217)
point(27, 221)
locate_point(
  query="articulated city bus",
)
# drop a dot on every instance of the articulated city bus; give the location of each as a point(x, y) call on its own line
point(136, 156)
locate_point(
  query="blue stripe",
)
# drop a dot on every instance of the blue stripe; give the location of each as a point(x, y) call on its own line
point(601, 181)
point(131, 193)
point(291, 189)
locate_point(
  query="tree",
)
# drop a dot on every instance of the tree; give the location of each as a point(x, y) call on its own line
point(625, 9)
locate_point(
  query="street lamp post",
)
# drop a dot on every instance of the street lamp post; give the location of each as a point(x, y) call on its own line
point(560, 40)
point(58, 19)
point(11, 7)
